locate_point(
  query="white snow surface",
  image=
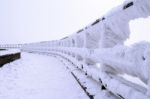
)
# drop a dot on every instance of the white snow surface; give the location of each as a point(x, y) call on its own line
point(37, 76)
point(10, 51)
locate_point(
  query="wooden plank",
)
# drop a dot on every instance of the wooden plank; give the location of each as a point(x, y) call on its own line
point(9, 58)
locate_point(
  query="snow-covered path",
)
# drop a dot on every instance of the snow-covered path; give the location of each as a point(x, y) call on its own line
point(38, 77)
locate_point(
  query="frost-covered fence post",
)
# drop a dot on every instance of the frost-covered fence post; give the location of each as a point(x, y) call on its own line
point(115, 28)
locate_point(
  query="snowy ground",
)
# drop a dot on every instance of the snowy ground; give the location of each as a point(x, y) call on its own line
point(38, 77)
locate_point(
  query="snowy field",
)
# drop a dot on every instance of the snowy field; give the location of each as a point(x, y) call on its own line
point(37, 76)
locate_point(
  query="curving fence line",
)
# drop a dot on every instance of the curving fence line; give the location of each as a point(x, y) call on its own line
point(97, 55)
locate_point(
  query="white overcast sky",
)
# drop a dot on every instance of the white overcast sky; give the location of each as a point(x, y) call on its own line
point(23, 21)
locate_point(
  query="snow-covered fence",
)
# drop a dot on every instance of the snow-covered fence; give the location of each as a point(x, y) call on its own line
point(10, 46)
point(118, 60)
point(98, 50)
